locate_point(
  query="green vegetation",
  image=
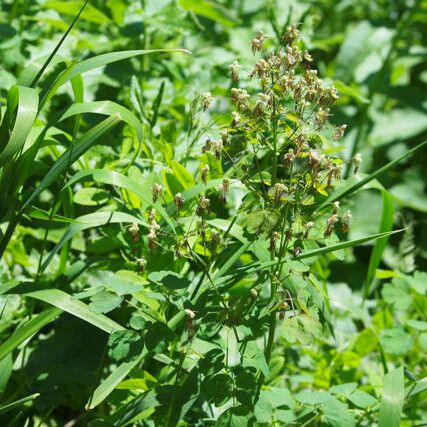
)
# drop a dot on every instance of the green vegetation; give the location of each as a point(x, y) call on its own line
point(212, 213)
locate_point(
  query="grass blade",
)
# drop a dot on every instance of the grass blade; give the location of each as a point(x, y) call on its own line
point(72, 154)
point(344, 245)
point(26, 101)
point(106, 108)
point(114, 178)
point(110, 383)
point(17, 403)
point(387, 218)
point(57, 47)
point(346, 190)
point(392, 399)
point(96, 219)
point(96, 62)
point(75, 307)
point(28, 329)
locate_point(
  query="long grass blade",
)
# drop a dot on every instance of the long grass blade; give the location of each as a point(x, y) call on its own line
point(57, 47)
point(96, 219)
point(26, 101)
point(392, 399)
point(27, 330)
point(387, 219)
point(346, 190)
point(72, 154)
point(106, 108)
point(75, 307)
point(109, 384)
point(11, 406)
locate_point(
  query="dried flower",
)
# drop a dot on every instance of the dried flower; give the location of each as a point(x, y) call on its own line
point(308, 227)
point(339, 132)
point(288, 158)
point(134, 232)
point(236, 119)
point(258, 42)
point(279, 189)
point(330, 224)
point(335, 207)
point(234, 68)
point(283, 307)
point(156, 191)
point(357, 160)
point(273, 240)
point(204, 172)
point(203, 205)
point(291, 34)
point(152, 243)
point(224, 190)
point(141, 263)
point(178, 200)
point(346, 222)
point(207, 99)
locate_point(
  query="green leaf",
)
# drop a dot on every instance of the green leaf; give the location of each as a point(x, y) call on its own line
point(217, 389)
point(169, 279)
point(27, 330)
point(361, 399)
point(396, 341)
point(344, 389)
point(211, 10)
point(114, 178)
point(104, 302)
point(392, 399)
point(71, 7)
point(91, 197)
point(125, 346)
point(75, 307)
point(157, 337)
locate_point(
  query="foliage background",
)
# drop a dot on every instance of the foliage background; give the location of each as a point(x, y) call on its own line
point(375, 52)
